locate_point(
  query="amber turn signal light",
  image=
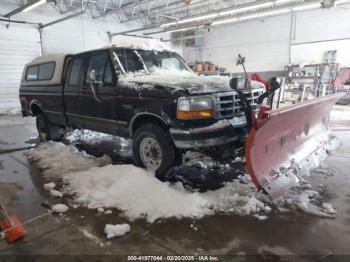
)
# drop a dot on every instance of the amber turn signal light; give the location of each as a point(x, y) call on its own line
point(194, 114)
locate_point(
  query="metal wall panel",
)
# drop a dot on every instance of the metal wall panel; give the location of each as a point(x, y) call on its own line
point(19, 44)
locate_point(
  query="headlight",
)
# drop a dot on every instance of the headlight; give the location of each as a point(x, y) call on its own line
point(194, 108)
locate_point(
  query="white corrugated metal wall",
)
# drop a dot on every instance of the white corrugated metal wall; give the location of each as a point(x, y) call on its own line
point(19, 44)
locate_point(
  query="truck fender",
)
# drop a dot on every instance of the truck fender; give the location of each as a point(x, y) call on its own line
point(145, 114)
point(35, 104)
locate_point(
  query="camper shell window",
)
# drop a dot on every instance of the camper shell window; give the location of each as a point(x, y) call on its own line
point(40, 72)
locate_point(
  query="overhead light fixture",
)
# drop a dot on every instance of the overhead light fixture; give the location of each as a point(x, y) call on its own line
point(213, 15)
point(26, 7)
point(185, 29)
point(339, 2)
point(270, 13)
point(307, 7)
point(198, 18)
point(278, 2)
point(246, 8)
point(247, 17)
point(34, 5)
point(226, 21)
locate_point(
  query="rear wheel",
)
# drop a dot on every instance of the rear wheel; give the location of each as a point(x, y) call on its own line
point(47, 130)
point(153, 149)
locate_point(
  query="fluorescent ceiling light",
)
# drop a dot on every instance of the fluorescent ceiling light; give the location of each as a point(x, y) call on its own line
point(190, 20)
point(283, 1)
point(307, 7)
point(34, 5)
point(196, 18)
point(341, 2)
point(226, 21)
point(247, 8)
point(229, 12)
point(277, 12)
point(185, 29)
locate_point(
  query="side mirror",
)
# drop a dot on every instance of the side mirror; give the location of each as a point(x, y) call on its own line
point(92, 76)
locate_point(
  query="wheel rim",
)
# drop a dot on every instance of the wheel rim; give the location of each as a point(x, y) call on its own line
point(151, 153)
point(42, 130)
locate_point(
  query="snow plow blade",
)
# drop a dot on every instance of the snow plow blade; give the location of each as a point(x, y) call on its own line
point(288, 143)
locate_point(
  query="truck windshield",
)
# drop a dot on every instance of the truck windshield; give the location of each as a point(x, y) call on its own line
point(137, 60)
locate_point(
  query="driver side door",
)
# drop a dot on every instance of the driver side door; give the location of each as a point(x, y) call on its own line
point(99, 114)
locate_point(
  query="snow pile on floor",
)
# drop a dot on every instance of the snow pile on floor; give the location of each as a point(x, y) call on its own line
point(119, 145)
point(86, 136)
point(139, 194)
point(55, 158)
point(116, 230)
point(59, 208)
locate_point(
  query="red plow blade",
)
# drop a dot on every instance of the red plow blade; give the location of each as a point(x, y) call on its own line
point(291, 141)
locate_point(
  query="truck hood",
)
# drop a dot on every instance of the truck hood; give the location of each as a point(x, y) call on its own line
point(175, 81)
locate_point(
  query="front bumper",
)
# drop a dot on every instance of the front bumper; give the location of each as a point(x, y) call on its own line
point(220, 133)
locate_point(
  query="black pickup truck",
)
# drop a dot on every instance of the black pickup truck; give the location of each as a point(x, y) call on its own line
point(150, 96)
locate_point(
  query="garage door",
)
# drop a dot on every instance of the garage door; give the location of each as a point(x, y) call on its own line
point(19, 44)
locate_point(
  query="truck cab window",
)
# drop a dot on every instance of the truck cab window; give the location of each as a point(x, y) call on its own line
point(74, 72)
point(130, 61)
point(100, 63)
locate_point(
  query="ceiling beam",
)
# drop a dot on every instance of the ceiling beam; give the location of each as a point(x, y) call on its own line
point(62, 19)
point(132, 30)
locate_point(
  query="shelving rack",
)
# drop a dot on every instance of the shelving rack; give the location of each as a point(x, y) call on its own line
point(303, 81)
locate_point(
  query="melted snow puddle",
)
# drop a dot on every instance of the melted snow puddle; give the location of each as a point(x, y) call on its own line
point(95, 183)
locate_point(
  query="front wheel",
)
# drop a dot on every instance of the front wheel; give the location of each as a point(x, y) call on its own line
point(153, 149)
point(47, 130)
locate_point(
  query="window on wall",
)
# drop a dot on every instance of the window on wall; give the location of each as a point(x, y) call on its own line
point(40, 72)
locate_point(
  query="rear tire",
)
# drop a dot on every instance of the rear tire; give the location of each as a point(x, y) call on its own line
point(47, 130)
point(153, 149)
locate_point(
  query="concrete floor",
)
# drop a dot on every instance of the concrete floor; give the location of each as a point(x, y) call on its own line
point(21, 188)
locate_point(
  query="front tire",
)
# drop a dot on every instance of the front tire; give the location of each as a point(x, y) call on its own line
point(47, 130)
point(153, 149)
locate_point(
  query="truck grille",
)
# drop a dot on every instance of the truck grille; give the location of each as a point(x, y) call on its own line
point(228, 104)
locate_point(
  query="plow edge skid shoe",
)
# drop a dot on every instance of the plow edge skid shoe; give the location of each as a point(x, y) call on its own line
point(290, 142)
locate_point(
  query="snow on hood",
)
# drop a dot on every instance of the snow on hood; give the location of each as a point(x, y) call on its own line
point(179, 81)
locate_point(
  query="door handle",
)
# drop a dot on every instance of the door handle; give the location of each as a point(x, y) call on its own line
point(83, 90)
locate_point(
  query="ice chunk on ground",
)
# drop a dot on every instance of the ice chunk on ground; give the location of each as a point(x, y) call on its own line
point(60, 208)
point(108, 212)
point(116, 230)
point(329, 208)
point(55, 193)
point(49, 186)
point(303, 198)
point(100, 209)
point(260, 217)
